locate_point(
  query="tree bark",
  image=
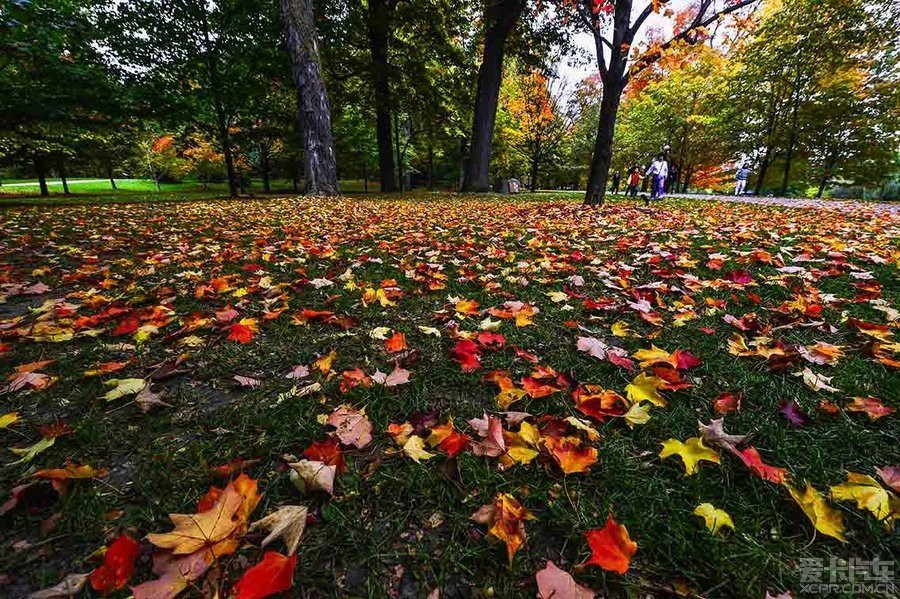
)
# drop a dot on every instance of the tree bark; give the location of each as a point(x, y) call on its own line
point(379, 29)
point(312, 98)
point(792, 141)
point(830, 162)
point(212, 68)
point(264, 166)
point(399, 156)
point(535, 166)
point(62, 174)
point(500, 17)
point(771, 123)
point(599, 173)
point(42, 175)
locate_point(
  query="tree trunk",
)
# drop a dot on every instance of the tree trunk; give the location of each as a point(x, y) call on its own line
point(109, 173)
point(789, 154)
point(792, 136)
point(379, 30)
point(399, 156)
point(688, 173)
point(430, 165)
point(62, 174)
point(42, 175)
point(264, 166)
point(312, 98)
point(830, 162)
point(602, 158)
point(535, 160)
point(500, 17)
point(212, 69)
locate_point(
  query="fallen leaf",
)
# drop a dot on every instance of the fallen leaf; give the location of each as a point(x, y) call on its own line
point(287, 522)
point(691, 453)
point(415, 449)
point(826, 519)
point(118, 565)
point(274, 574)
point(70, 586)
point(715, 518)
point(352, 426)
point(555, 583)
point(867, 494)
point(506, 518)
point(611, 547)
point(123, 387)
point(310, 475)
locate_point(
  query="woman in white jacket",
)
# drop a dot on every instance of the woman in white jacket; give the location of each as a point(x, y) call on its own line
point(658, 170)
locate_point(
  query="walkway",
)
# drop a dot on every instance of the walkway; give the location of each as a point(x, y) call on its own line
point(844, 205)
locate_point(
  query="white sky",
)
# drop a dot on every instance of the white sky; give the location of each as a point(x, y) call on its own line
point(571, 74)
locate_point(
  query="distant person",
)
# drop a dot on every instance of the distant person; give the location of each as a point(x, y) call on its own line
point(634, 181)
point(740, 180)
point(672, 178)
point(658, 171)
point(616, 181)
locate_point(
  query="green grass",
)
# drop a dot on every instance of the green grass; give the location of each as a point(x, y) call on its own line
point(13, 193)
point(379, 518)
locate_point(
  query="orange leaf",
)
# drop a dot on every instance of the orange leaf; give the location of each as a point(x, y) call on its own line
point(396, 343)
point(611, 547)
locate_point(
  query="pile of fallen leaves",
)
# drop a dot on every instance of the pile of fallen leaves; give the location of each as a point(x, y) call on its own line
point(793, 295)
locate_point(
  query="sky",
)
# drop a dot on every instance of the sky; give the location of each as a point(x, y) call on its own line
point(571, 74)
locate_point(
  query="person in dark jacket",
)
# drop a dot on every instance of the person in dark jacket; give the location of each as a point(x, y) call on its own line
point(740, 180)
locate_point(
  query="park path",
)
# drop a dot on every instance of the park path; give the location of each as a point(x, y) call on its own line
point(842, 205)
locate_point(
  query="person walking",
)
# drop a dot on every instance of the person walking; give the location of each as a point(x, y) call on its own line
point(740, 180)
point(658, 171)
point(616, 180)
point(634, 181)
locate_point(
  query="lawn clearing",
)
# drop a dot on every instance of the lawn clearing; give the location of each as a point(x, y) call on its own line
point(169, 347)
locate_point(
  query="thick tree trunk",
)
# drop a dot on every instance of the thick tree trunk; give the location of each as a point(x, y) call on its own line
point(62, 175)
point(500, 17)
point(41, 175)
point(602, 158)
point(535, 166)
point(312, 98)
point(379, 31)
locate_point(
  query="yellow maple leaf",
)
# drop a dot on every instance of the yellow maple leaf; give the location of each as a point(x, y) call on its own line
point(654, 355)
point(644, 388)
point(415, 448)
point(8, 419)
point(867, 494)
point(715, 517)
point(691, 453)
point(509, 396)
point(620, 329)
point(638, 413)
point(826, 519)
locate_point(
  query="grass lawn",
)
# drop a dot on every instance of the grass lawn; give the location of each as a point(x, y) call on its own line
point(21, 191)
point(506, 307)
